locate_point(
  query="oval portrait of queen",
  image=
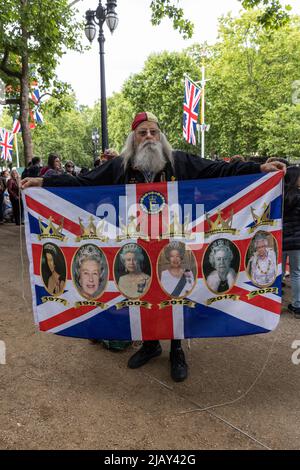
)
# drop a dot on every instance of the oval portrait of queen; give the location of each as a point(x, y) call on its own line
point(177, 269)
point(90, 271)
point(261, 259)
point(132, 271)
point(221, 264)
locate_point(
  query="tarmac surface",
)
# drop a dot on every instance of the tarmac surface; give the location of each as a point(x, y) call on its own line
point(64, 393)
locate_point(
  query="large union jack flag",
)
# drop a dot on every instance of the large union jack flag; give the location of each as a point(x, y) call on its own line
point(6, 144)
point(206, 262)
point(191, 104)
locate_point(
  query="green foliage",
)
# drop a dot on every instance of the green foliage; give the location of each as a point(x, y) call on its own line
point(159, 89)
point(273, 15)
point(280, 131)
point(120, 116)
point(66, 132)
point(250, 74)
point(42, 29)
point(34, 34)
point(166, 8)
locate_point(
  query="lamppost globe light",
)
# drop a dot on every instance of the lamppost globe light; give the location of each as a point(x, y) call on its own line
point(112, 21)
point(90, 31)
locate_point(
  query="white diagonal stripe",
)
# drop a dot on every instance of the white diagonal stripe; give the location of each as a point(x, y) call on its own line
point(135, 323)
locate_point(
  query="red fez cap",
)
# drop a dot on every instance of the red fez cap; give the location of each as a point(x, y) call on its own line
point(141, 117)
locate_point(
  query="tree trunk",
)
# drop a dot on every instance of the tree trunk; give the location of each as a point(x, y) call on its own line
point(24, 101)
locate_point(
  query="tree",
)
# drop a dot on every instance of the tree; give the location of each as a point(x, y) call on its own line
point(273, 14)
point(66, 131)
point(280, 131)
point(120, 116)
point(166, 8)
point(33, 37)
point(250, 74)
point(159, 89)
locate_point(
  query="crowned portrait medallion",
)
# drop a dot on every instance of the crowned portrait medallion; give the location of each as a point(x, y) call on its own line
point(152, 202)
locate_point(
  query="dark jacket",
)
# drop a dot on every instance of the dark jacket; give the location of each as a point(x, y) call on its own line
point(291, 225)
point(13, 189)
point(2, 184)
point(187, 167)
point(32, 171)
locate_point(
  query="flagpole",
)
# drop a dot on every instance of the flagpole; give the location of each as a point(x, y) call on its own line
point(17, 149)
point(202, 120)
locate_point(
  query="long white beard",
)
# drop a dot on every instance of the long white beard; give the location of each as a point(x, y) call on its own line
point(149, 157)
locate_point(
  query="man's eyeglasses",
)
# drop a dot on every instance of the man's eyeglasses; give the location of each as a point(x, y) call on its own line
point(70, 166)
point(152, 132)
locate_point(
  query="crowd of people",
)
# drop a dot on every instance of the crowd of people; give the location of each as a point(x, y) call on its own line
point(11, 206)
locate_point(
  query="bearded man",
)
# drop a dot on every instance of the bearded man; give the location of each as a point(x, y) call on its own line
point(148, 157)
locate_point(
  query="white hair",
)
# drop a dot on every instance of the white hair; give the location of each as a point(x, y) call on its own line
point(136, 250)
point(130, 150)
point(220, 245)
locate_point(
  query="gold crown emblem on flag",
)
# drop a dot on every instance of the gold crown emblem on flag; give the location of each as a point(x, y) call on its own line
point(263, 219)
point(51, 230)
point(132, 230)
point(92, 231)
point(220, 224)
point(178, 230)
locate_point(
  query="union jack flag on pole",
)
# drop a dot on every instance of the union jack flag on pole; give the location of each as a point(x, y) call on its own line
point(191, 103)
point(157, 261)
point(6, 144)
point(36, 97)
point(16, 126)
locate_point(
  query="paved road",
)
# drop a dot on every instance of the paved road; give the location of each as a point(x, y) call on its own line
point(62, 393)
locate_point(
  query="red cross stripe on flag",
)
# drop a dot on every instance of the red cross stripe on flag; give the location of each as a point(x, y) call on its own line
point(191, 103)
point(6, 144)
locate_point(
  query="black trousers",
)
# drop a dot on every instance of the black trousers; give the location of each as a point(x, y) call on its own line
point(175, 343)
point(17, 207)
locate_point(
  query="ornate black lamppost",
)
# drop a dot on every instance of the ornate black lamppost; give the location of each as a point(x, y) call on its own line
point(98, 17)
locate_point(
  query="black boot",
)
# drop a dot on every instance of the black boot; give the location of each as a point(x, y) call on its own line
point(144, 354)
point(179, 368)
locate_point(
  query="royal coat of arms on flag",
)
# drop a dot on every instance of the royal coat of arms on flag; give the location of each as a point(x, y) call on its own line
point(186, 259)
